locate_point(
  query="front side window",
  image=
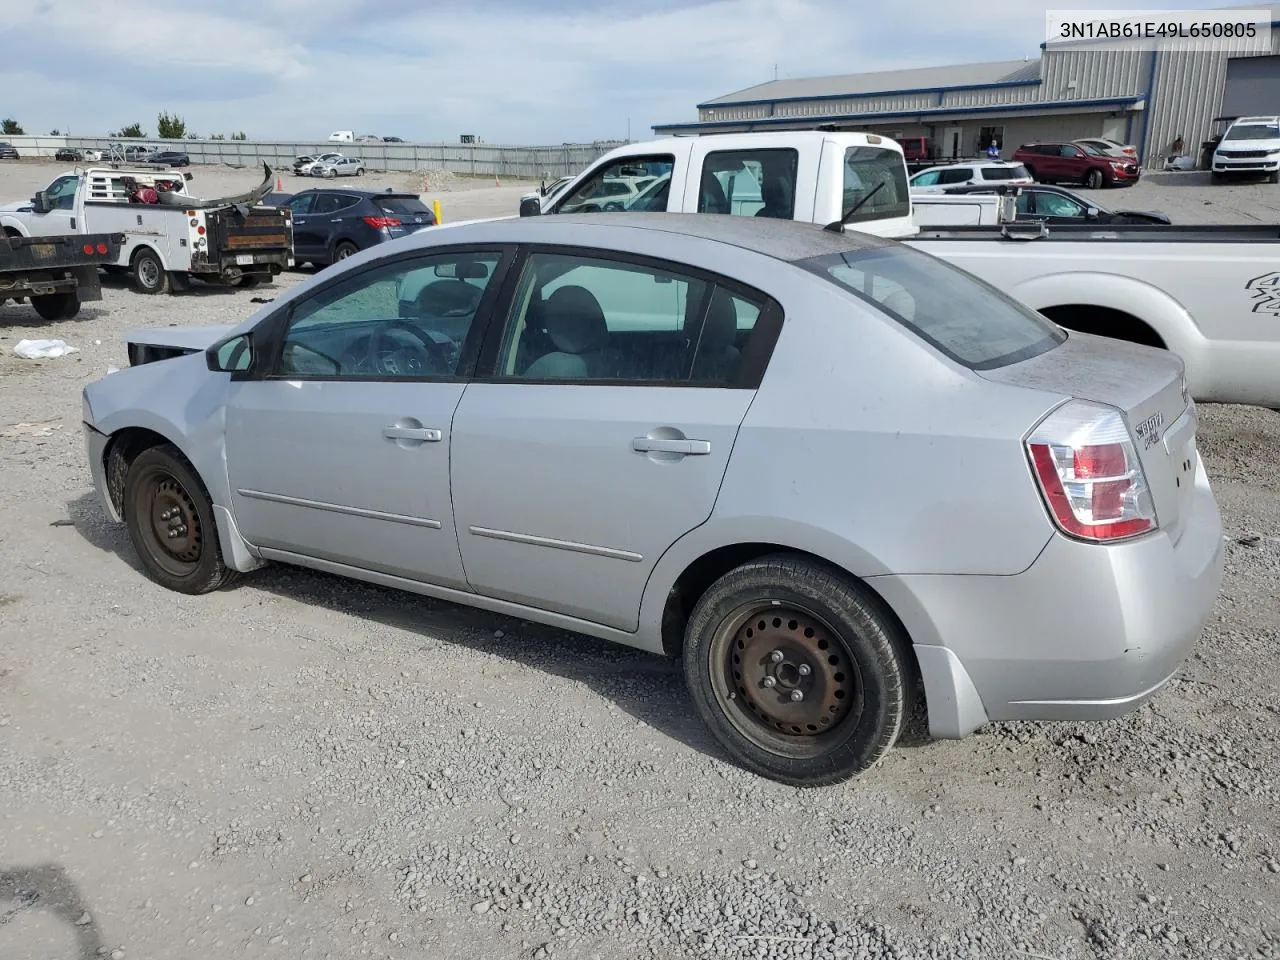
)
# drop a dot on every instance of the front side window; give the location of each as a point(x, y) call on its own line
point(749, 183)
point(876, 179)
point(1056, 205)
point(61, 194)
point(578, 318)
point(966, 318)
point(614, 186)
point(302, 204)
point(407, 319)
point(1070, 150)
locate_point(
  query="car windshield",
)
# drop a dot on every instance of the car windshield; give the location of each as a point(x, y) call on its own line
point(1254, 131)
point(400, 205)
point(966, 318)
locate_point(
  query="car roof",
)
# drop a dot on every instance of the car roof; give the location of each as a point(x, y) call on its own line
point(360, 192)
point(786, 240)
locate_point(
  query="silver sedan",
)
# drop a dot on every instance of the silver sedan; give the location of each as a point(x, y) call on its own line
point(815, 465)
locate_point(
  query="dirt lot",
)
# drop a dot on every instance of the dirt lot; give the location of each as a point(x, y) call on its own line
point(306, 767)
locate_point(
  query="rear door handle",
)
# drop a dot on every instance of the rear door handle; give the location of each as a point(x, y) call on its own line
point(412, 433)
point(690, 448)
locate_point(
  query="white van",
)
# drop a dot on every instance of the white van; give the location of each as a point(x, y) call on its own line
point(343, 136)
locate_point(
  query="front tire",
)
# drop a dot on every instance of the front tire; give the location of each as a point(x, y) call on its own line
point(1093, 179)
point(797, 670)
point(170, 520)
point(149, 275)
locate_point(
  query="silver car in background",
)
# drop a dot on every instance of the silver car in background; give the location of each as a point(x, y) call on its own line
point(338, 167)
point(814, 464)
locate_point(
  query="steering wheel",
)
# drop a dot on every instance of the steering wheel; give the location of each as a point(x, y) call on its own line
point(392, 357)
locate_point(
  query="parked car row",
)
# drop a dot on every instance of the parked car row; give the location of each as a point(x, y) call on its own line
point(1093, 163)
point(329, 165)
point(1058, 205)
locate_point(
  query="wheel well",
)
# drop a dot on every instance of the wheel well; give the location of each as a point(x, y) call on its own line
point(121, 452)
point(133, 260)
point(11, 232)
point(1104, 322)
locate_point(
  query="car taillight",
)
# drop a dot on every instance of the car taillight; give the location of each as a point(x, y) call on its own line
point(102, 249)
point(1087, 466)
point(88, 248)
point(379, 223)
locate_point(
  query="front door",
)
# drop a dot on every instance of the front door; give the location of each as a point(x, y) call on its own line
point(603, 433)
point(61, 219)
point(338, 449)
point(308, 233)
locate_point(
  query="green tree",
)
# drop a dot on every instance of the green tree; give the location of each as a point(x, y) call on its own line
point(217, 136)
point(240, 136)
point(11, 127)
point(170, 127)
point(132, 130)
point(54, 132)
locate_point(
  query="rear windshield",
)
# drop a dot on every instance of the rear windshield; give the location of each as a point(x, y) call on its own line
point(966, 318)
point(400, 204)
point(1018, 172)
point(879, 174)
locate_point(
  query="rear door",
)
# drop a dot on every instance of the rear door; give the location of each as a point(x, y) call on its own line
point(603, 429)
point(751, 181)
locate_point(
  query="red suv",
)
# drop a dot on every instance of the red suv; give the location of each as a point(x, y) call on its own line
point(1049, 162)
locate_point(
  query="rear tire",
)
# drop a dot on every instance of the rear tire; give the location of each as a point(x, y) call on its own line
point(784, 625)
point(344, 249)
point(163, 496)
point(149, 274)
point(56, 306)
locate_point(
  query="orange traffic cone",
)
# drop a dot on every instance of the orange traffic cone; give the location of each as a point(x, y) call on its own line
point(279, 184)
point(496, 181)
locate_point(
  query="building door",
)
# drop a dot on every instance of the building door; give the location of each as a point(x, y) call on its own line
point(1113, 128)
point(1253, 86)
point(951, 141)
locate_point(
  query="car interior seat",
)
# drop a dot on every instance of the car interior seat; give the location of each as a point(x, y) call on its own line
point(717, 352)
point(575, 324)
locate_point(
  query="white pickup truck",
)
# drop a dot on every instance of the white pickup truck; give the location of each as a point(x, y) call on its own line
point(170, 236)
point(1210, 294)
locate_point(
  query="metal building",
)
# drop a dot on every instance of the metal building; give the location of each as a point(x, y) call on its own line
point(1147, 98)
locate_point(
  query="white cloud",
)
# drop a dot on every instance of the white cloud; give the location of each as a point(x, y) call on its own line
point(507, 70)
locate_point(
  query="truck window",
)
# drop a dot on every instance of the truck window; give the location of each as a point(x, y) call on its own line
point(927, 179)
point(613, 186)
point(865, 169)
point(61, 194)
point(750, 183)
point(965, 318)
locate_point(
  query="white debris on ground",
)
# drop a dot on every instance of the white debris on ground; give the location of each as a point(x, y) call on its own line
point(434, 180)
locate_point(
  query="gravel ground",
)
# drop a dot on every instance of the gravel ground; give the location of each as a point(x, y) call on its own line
point(307, 767)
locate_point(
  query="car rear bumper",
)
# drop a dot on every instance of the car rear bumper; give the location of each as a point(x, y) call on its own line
point(1087, 632)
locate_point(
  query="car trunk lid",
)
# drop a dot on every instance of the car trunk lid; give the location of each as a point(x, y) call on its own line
point(1148, 387)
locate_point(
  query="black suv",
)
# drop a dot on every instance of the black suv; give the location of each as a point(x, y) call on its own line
point(330, 224)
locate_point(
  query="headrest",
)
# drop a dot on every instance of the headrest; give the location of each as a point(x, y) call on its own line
point(574, 321)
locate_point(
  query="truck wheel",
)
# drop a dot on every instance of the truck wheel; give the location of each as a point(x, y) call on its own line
point(57, 306)
point(798, 672)
point(149, 274)
point(1093, 179)
point(359, 171)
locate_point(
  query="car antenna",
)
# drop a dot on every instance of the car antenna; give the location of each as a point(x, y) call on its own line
point(837, 226)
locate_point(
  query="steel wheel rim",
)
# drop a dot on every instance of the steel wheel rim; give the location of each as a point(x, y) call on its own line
point(344, 252)
point(170, 523)
point(765, 652)
point(148, 272)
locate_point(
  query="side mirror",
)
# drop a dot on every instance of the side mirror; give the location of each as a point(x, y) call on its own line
point(40, 202)
point(1091, 213)
point(531, 207)
point(234, 355)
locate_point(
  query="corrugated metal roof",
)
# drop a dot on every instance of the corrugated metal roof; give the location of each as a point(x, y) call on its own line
point(921, 78)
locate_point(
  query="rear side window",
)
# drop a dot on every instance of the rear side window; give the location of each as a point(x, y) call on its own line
point(868, 169)
point(1018, 172)
point(749, 183)
point(956, 175)
point(964, 317)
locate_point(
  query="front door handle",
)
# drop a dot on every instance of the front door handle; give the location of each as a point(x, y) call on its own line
point(689, 448)
point(412, 433)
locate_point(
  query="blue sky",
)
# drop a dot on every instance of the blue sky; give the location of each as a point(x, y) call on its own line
point(510, 71)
